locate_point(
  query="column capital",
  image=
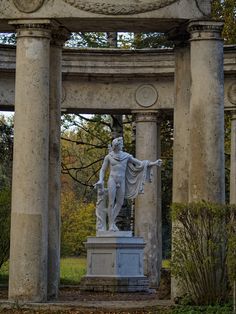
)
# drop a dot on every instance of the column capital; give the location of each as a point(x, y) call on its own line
point(146, 116)
point(205, 30)
point(34, 27)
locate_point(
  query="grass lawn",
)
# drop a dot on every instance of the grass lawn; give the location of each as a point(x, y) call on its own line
point(72, 269)
point(4, 273)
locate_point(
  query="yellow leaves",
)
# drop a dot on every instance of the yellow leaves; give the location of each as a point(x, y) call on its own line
point(78, 222)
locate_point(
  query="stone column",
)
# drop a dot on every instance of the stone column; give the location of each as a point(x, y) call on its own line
point(206, 163)
point(181, 124)
point(181, 134)
point(148, 206)
point(29, 221)
point(58, 38)
point(233, 160)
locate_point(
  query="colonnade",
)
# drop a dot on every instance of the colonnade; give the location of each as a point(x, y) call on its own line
point(198, 150)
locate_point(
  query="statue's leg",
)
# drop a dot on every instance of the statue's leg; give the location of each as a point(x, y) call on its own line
point(111, 201)
point(120, 195)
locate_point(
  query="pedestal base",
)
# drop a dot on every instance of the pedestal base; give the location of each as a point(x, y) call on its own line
point(115, 264)
point(114, 284)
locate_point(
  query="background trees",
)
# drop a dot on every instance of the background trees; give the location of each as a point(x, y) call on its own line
point(6, 146)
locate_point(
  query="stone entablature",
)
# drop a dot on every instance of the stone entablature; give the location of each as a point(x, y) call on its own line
point(94, 80)
point(112, 15)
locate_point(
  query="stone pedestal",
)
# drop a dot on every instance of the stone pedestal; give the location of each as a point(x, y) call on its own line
point(115, 264)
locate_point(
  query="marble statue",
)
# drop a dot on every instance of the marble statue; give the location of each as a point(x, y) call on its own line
point(126, 180)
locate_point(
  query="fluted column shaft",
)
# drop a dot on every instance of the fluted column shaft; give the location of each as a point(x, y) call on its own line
point(148, 206)
point(29, 222)
point(206, 165)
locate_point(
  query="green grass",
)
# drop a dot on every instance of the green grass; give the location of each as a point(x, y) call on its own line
point(4, 273)
point(72, 269)
point(216, 309)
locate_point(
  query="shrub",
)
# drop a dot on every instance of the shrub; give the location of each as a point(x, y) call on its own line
point(200, 246)
point(5, 206)
point(232, 245)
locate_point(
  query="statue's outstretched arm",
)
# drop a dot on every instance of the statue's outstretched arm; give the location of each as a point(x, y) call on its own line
point(138, 162)
point(103, 171)
point(135, 161)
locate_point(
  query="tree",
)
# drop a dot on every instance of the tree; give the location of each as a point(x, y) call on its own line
point(6, 146)
point(78, 222)
point(6, 151)
point(226, 10)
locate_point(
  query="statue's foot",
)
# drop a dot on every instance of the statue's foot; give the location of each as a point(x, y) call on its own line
point(113, 227)
point(101, 229)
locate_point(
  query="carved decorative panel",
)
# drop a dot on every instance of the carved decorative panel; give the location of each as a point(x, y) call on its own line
point(28, 6)
point(119, 7)
point(232, 93)
point(146, 95)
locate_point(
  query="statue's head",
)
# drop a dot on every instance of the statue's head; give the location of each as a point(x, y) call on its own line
point(117, 143)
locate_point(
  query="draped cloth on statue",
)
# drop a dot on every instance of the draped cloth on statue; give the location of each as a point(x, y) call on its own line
point(135, 178)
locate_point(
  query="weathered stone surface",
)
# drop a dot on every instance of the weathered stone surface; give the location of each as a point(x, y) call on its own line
point(28, 6)
point(29, 224)
point(148, 206)
point(108, 284)
point(181, 137)
point(54, 175)
point(93, 79)
point(146, 95)
point(115, 264)
point(181, 124)
point(107, 15)
point(206, 159)
point(231, 93)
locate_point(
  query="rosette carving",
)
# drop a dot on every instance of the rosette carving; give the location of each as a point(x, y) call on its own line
point(28, 6)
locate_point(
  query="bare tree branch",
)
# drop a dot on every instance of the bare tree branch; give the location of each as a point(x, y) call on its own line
point(93, 120)
point(65, 171)
point(83, 143)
